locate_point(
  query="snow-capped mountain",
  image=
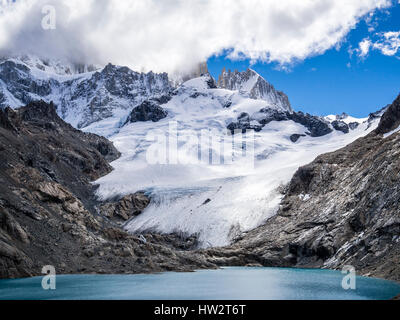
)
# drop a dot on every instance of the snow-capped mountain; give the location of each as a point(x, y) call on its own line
point(200, 185)
point(250, 83)
point(52, 66)
point(81, 98)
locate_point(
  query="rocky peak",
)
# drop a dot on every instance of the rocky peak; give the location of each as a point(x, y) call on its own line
point(342, 116)
point(250, 83)
point(19, 87)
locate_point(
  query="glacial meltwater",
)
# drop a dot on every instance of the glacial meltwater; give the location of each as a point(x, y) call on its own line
point(226, 284)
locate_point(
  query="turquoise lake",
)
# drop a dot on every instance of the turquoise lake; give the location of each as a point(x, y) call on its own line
point(224, 284)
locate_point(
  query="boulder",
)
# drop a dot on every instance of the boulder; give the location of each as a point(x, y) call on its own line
point(295, 137)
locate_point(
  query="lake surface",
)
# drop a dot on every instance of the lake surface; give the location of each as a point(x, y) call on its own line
point(224, 284)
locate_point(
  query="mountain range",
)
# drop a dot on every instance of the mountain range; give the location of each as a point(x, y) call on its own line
point(79, 191)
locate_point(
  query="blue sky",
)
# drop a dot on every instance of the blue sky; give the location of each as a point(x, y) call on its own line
point(336, 81)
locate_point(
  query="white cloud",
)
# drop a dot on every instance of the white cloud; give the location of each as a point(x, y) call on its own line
point(389, 43)
point(164, 35)
point(364, 47)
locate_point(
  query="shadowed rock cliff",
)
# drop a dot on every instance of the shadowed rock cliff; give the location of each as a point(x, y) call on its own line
point(48, 212)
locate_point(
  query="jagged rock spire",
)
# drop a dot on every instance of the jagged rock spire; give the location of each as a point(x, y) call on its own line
point(252, 84)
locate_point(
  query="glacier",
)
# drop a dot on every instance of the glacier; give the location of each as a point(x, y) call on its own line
point(218, 203)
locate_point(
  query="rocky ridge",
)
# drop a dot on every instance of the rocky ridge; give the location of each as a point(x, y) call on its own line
point(316, 126)
point(81, 98)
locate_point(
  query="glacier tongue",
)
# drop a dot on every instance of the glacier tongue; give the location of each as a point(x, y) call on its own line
point(217, 202)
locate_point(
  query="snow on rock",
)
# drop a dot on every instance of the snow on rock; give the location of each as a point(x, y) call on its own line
point(250, 83)
point(82, 98)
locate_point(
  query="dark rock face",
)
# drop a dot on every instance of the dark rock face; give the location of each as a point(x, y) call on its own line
point(295, 137)
point(162, 99)
point(354, 125)
point(342, 209)
point(317, 126)
point(211, 83)
point(391, 118)
point(126, 208)
point(341, 126)
point(49, 214)
point(243, 124)
point(20, 84)
point(147, 111)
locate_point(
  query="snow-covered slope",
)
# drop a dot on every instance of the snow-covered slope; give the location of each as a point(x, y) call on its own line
point(221, 200)
point(82, 98)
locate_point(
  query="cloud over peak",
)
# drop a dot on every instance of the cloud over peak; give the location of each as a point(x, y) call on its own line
point(170, 35)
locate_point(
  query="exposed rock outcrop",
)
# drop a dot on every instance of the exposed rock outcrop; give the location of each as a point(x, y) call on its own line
point(316, 126)
point(295, 137)
point(147, 111)
point(126, 208)
point(341, 126)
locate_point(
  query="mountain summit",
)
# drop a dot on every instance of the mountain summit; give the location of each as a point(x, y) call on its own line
point(256, 87)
